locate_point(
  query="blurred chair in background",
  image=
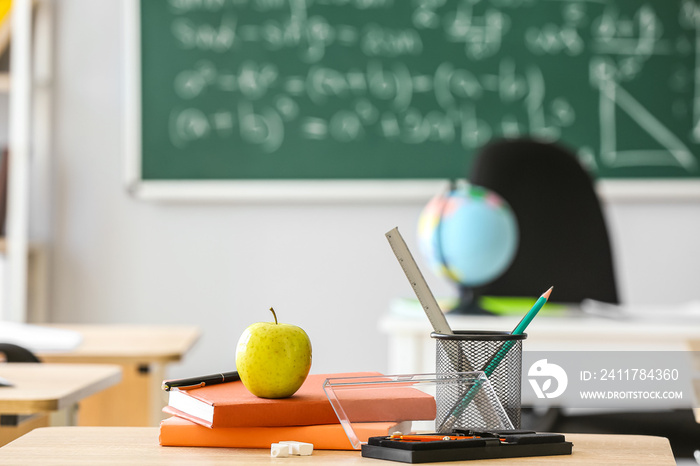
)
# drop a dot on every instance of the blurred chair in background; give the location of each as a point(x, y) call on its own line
point(15, 353)
point(563, 235)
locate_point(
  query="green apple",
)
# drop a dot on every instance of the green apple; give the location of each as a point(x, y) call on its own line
point(273, 359)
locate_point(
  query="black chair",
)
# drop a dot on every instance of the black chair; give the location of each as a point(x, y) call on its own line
point(16, 353)
point(563, 235)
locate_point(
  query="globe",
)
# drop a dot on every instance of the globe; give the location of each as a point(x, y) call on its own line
point(468, 235)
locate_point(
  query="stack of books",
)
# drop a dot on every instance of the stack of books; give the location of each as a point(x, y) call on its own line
point(228, 415)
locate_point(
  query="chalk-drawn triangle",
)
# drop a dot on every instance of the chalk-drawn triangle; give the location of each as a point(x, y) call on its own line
point(672, 151)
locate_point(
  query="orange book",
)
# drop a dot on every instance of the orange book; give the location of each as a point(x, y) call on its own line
point(178, 432)
point(232, 405)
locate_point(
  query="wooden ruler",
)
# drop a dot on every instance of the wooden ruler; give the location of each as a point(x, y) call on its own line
point(418, 283)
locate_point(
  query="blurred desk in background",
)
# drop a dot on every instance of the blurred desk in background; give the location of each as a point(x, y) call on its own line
point(143, 352)
point(412, 350)
point(39, 389)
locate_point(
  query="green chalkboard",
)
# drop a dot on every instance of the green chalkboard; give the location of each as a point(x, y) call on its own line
point(403, 90)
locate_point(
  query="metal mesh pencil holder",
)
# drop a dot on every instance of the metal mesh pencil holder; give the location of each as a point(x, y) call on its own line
point(466, 351)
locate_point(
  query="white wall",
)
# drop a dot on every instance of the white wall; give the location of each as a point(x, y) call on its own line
point(328, 269)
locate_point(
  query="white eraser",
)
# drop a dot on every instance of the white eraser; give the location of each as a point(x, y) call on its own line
point(279, 450)
point(299, 448)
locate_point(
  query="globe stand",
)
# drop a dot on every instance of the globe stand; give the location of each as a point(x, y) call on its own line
point(468, 303)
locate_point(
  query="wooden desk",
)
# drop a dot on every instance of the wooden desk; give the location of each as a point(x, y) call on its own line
point(42, 388)
point(143, 352)
point(77, 446)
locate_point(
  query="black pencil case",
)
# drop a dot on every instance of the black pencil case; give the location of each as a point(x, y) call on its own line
point(475, 445)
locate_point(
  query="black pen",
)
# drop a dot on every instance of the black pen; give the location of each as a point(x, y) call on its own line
point(196, 382)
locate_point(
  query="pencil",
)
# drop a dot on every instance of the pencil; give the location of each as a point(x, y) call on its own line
point(429, 438)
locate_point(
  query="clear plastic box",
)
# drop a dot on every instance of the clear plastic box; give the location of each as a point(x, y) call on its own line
point(414, 403)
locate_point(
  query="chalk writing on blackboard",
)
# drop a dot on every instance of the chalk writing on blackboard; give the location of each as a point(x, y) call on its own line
point(250, 80)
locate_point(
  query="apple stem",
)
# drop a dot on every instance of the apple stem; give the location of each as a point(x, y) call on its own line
point(275, 315)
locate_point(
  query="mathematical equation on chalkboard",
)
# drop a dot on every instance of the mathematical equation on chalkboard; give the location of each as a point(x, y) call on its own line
point(617, 81)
